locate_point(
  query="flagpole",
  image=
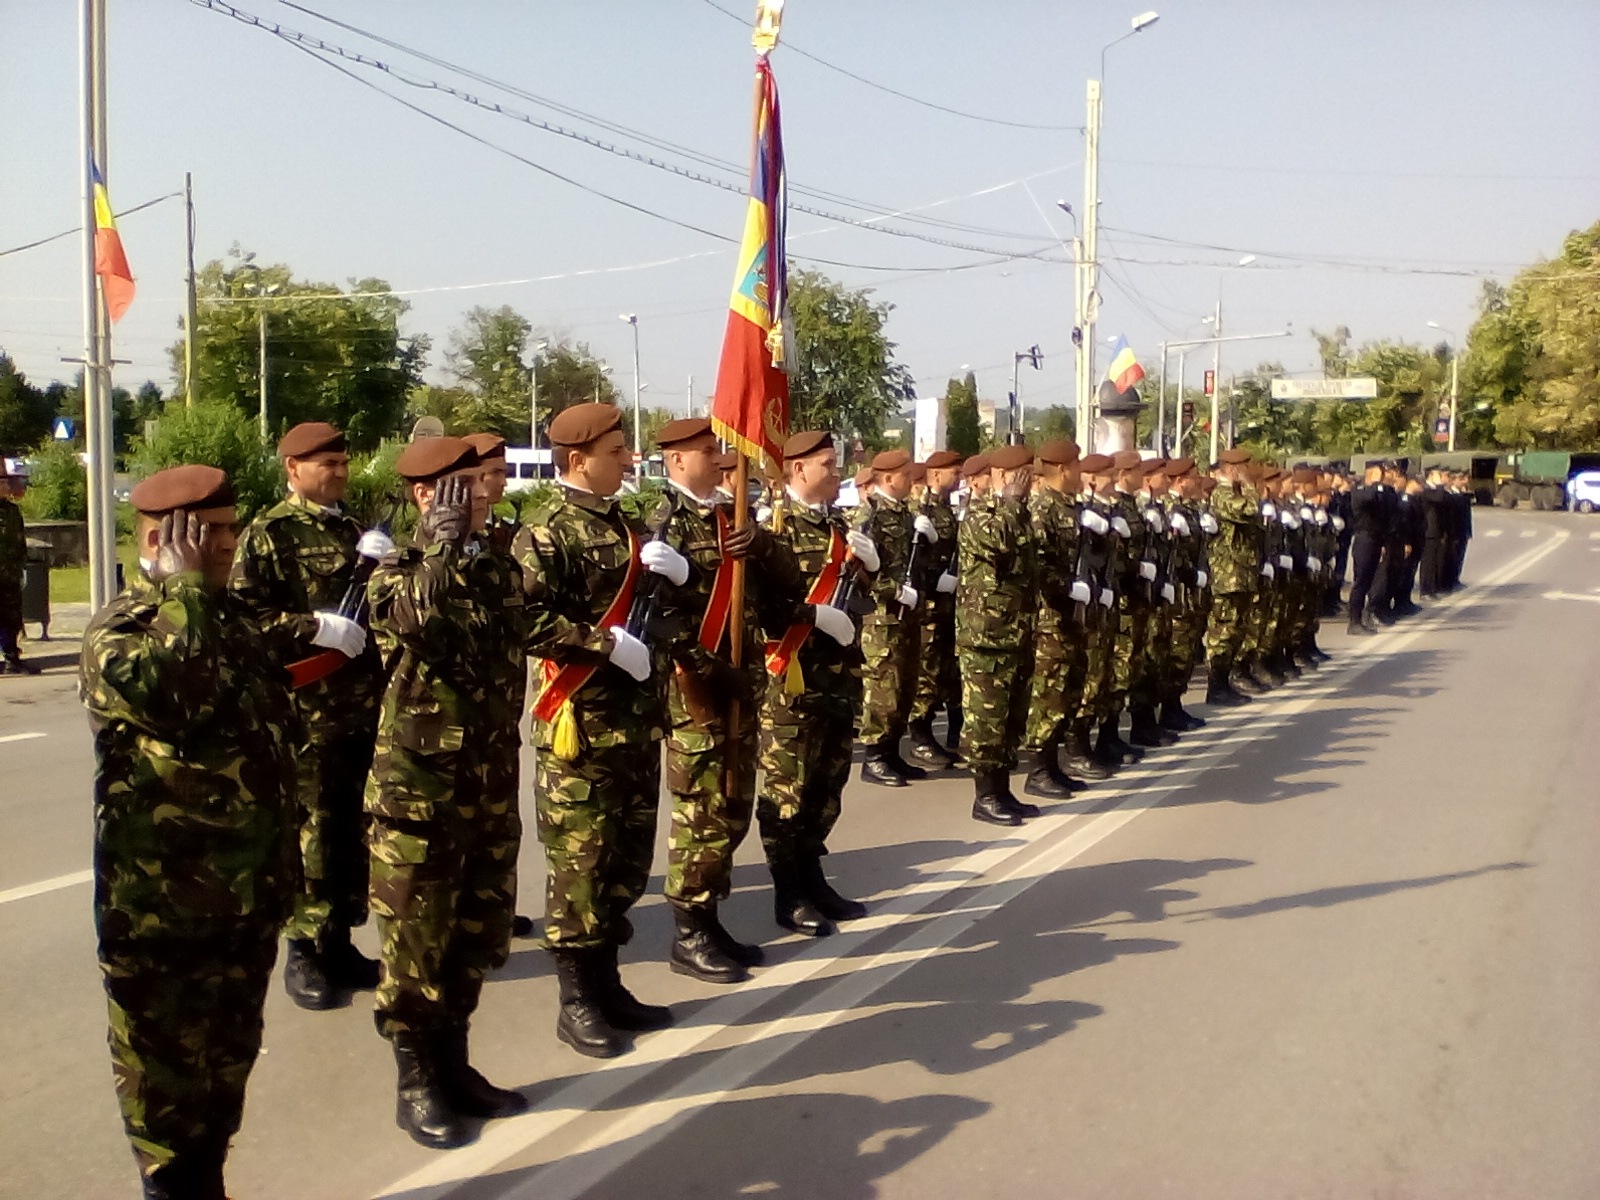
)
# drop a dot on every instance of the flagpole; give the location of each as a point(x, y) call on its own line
point(96, 434)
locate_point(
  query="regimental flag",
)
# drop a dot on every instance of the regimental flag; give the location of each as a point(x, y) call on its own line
point(1124, 370)
point(110, 263)
point(751, 406)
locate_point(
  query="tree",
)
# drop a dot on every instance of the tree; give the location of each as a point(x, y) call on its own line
point(845, 377)
point(216, 434)
point(567, 375)
point(26, 412)
point(570, 373)
point(485, 357)
point(331, 355)
point(963, 429)
point(58, 487)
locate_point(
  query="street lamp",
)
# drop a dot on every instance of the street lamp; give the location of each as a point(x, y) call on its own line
point(1455, 377)
point(1034, 357)
point(638, 428)
point(533, 393)
point(260, 292)
point(600, 373)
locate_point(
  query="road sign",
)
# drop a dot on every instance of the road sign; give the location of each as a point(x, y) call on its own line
point(1364, 388)
point(1211, 383)
point(63, 430)
point(1441, 431)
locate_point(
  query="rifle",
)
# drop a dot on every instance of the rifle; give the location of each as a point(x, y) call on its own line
point(353, 606)
point(642, 612)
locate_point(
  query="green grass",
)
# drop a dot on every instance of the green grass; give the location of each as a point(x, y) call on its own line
point(70, 585)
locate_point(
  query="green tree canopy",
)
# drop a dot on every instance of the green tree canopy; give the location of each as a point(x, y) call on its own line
point(216, 434)
point(845, 376)
point(26, 412)
point(963, 429)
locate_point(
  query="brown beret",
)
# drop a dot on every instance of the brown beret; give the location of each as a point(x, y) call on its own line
point(728, 460)
point(1096, 464)
point(310, 437)
point(891, 460)
point(941, 459)
point(584, 423)
point(1270, 474)
point(682, 430)
point(919, 472)
point(1062, 452)
point(1155, 466)
point(801, 444)
point(192, 487)
point(1208, 484)
point(864, 476)
point(1126, 460)
point(488, 445)
point(1009, 458)
point(1304, 475)
point(432, 457)
point(978, 464)
point(1234, 457)
point(1177, 468)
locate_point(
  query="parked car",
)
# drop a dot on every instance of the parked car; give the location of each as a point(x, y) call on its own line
point(1583, 492)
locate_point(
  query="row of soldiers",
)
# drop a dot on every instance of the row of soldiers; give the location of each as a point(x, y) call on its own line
point(303, 723)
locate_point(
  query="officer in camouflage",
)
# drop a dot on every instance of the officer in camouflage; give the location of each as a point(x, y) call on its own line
point(938, 684)
point(588, 570)
point(13, 558)
point(294, 566)
point(194, 831)
point(1235, 569)
point(444, 851)
point(1188, 574)
point(1100, 566)
point(1154, 669)
point(813, 692)
point(996, 603)
point(1134, 604)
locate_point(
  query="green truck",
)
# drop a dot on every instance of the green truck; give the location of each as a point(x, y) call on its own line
point(1539, 477)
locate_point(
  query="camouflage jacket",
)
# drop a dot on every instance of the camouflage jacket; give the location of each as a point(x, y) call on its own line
point(889, 524)
point(1136, 547)
point(1237, 546)
point(1186, 550)
point(294, 559)
point(443, 618)
point(1053, 516)
point(13, 542)
point(998, 595)
point(941, 556)
point(828, 668)
point(574, 556)
point(195, 819)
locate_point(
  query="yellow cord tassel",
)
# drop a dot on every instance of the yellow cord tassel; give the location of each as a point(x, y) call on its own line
point(794, 682)
point(565, 740)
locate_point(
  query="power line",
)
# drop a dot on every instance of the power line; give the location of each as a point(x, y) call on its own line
point(66, 233)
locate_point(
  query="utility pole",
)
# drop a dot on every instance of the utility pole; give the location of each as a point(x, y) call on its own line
point(1089, 268)
point(191, 310)
point(688, 398)
point(1159, 442)
point(261, 346)
point(533, 402)
point(1177, 418)
point(1455, 394)
point(1216, 382)
point(638, 428)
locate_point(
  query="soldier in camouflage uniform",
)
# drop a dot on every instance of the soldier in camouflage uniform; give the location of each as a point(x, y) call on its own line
point(996, 602)
point(713, 704)
point(938, 684)
point(1100, 566)
point(13, 557)
point(194, 824)
point(813, 692)
point(1186, 571)
point(1060, 659)
point(444, 851)
point(889, 634)
point(1134, 604)
point(599, 720)
point(1277, 567)
point(295, 564)
point(1235, 569)
point(1154, 669)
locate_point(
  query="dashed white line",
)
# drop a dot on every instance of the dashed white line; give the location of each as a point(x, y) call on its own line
point(1528, 533)
point(45, 885)
point(1493, 532)
point(21, 737)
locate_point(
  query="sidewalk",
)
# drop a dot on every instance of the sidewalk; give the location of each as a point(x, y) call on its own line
point(67, 623)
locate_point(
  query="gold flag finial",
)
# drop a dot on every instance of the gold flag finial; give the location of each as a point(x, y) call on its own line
point(769, 20)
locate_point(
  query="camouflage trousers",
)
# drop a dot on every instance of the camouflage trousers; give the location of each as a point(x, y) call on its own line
point(1188, 630)
point(1099, 655)
point(1228, 626)
point(1156, 675)
point(185, 1028)
point(938, 677)
point(995, 687)
point(889, 644)
point(1060, 665)
point(597, 823)
point(1128, 671)
point(805, 755)
point(333, 830)
point(708, 824)
point(443, 892)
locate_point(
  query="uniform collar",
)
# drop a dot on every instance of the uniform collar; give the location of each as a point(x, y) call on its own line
point(820, 510)
point(710, 501)
point(583, 498)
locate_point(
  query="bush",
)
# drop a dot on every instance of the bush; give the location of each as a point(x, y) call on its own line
point(375, 485)
point(58, 488)
point(216, 435)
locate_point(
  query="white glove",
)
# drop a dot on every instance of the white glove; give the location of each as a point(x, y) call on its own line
point(1092, 521)
point(1286, 561)
point(1338, 524)
point(763, 514)
point(907, 595)
point(629, 654)
point(1267, 572)
point(1147, 570)
point(1169, 593)
point(1209, 523)
point(864, 548)
point(1322, 517)
point(374, 544)
point(1313, 562)
point(1080, 592)
point(1306, 514)
point(1201, 578)
point(662, 559)
point(1121, 526)
point(1269, 509)
point(835, 624)
point(926, 530)
point(1152, 518)
point(1107, 597)
point(947, 584)
point(1180, 525)
point(339, 633)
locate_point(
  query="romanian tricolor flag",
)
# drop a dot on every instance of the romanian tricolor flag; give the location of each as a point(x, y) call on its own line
point(110, 263)
point(1124, 370)
point(751, 406)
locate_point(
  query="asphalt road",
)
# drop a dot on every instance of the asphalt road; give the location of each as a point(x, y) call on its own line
point(1338, 944)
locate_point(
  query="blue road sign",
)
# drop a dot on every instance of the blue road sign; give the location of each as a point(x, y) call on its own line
point(63, 430)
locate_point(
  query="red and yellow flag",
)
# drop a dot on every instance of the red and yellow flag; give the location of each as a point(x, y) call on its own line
point(110, 262)
point(751, 406)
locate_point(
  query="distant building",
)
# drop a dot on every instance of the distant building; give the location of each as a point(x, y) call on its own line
point(929, 428)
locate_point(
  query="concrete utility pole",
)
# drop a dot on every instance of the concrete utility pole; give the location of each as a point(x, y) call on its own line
point(1216, 381)
point(638, 428)
point(191, 303)
point(261, 367)
point(1455, 378)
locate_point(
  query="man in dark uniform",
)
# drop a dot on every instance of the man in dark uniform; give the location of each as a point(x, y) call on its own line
point(1462, 499)
point(196, 866)
point(1435, 514)
point(1372, 517)
point(295, 565)
point(937, 685)
point(13, 557)
point(1339, 517)
point(1413, 520)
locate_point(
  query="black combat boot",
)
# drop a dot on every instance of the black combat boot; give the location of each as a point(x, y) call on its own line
point(581, 1022)
point(876, 768)
point(522, 926)
point(1259, 670)
point(1080, 756)
point(1285, 665)
point(792, 906)
point(468, 1092)
point(624, 1010)
point(305, 980)
point(1178, 719)
point(1304, 659)
point(823, 896)
point(421, 1107)
point(344, 965)
point(698, 952)
point(925, 749)
point(1009, 798)
point(1316, 651)
point(1147, 730)
point(989, 799)
point(1219, 686)
point(906, 770)
point(193, 1175)
point(746, 954)
point(1041, 780)
point(1112, 745)
point(1359, 629)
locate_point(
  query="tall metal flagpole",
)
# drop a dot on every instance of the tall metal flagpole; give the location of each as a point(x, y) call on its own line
point(97, 433)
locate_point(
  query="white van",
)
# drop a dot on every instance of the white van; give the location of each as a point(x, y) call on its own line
point(1583, 492)
point(527, 467)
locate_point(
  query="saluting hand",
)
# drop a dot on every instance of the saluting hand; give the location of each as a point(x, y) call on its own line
point(180, 545)
point(449, 518)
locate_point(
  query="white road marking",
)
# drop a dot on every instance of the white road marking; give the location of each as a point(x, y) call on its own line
point(1572, 596)
point(21, 737)
point(1594, 535)
point(45, 885)
point(1528, 533)
point(1051, 843)
point(1493, 532)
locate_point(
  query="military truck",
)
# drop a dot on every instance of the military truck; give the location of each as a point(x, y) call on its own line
point(1539, 477)
point(1479, 465)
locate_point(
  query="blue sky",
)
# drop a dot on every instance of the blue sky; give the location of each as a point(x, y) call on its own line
point(1394, 152)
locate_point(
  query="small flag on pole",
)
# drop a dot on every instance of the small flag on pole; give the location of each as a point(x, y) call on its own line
point(110, 262)
point(1124, 370)
point(751, 406)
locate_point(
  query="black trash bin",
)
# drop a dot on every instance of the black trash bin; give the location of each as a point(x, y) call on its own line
point(36, 594)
